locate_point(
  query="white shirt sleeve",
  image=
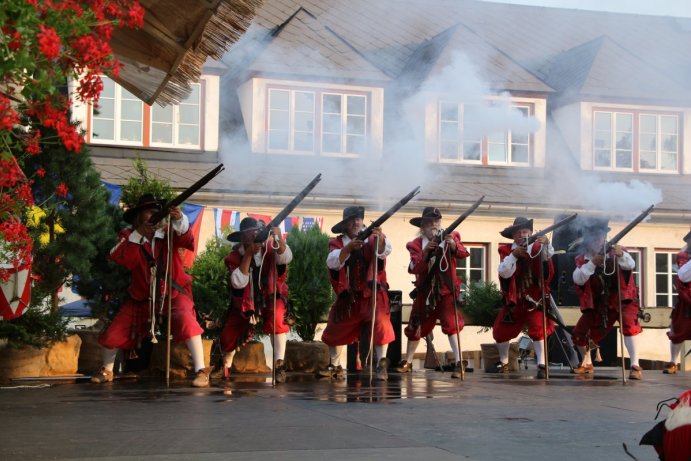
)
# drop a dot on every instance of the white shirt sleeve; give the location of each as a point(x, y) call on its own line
point(387, 250)
point(508, 266)
point(684, 272)
point(548, 252)
point(626, 262)
point(583, 273)
point(238, 279)
point(182, 225)
point(333, 262)
point(286, 257)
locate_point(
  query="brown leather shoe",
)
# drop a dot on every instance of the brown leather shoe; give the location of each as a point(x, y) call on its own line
point(636, 373)
point(280, 371)
point(202, 378)
point(670, 368)
point(541, 372)
point(404, 367)
point(103, 376)
point(584, 370)
point(456, 373)
point(501, 367)
point(382, 373)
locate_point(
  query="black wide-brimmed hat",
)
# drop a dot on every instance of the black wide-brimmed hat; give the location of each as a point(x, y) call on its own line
point(428, 213)
point(348, 214)
point(519, 223)
point(593, 226)
point(246, 225)
point(145, 202)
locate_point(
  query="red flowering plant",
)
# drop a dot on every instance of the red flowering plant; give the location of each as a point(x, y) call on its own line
point(43, 44)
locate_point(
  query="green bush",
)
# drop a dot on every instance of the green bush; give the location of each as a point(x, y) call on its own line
point(482, 303)
point(35, 327)
point(310, 292)
point(210, 286)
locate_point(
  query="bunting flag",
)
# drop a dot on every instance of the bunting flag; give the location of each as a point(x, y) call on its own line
point(260, 217)
point(288, 224)
point(223, 219)
point(194, 214)
point(309, 223)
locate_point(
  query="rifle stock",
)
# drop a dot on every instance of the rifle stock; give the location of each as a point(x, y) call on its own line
point(379, 221)
point(184, 195)
point(264, 233)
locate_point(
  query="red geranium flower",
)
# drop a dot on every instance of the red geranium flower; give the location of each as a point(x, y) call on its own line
point(61, 190)
point(49, 42)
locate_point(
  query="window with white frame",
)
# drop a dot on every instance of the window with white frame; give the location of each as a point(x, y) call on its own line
point(635, 141)
point(291, 120)
point(665, 271)
point(473, 268)
point(344, 123)
point(659, 142)
point(460, 140)
point(178, 125)
point(119, 117)
point(317, 121)
point(637, 256)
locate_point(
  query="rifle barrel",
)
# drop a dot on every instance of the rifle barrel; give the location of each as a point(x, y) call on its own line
point(187, 193)
point(379, 221)
point(264, 233)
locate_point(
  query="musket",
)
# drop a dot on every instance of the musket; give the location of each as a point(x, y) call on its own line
point(549, 229)
point(278, 219)
point(363, 234)
point(440, 238)
point(620, 235)
point(184, 195)
point(427, 282)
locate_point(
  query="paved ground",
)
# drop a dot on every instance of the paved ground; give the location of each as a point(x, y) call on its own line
point(424, 416)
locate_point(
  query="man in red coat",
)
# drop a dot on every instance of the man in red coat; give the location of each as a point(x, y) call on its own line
point(143, 250)
point(521, 286)
point(596, 282)
point(438, 300)
point(351, 265)
point(255, 269)
point(680, 327)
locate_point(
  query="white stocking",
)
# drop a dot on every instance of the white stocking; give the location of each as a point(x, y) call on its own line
point(109, 358)
point(503, 352)
point(280, 346)
point(412, 347)
point(194, 344)
point(454, 347)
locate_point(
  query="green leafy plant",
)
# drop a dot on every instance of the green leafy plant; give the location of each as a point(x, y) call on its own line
point(36, 327)
point(482, 303)
point(144, 182)
point(210, 286)
point(308, 280)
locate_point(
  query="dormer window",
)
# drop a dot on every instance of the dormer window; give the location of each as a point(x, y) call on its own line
point(461, 138)
point(319, 121)
point(638, 141)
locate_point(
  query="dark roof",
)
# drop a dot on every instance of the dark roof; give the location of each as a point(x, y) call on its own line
point(303, 46)
point(611, 56)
